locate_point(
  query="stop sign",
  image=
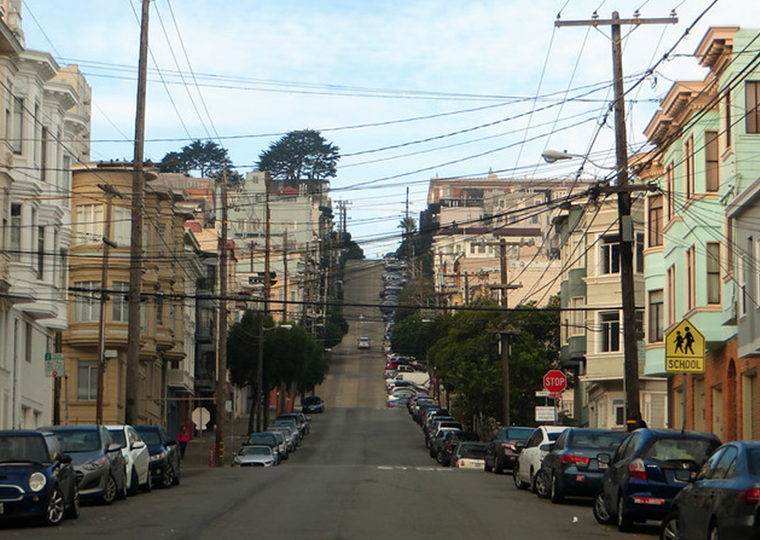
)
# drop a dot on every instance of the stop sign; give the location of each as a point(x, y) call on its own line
point(555, 381)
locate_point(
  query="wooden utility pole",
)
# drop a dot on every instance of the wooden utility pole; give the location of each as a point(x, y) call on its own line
point(132, 411)
point(267, 245)
point(221, 355)
point(627, 237)
point(285, 276)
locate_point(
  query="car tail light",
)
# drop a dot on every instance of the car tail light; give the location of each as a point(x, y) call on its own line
point(637, 469)
point(455, 463)
point(509, 446)
point(574, 459)
point(750, 495)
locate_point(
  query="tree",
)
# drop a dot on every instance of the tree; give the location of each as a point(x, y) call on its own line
point(208, 159)
point(300, 156)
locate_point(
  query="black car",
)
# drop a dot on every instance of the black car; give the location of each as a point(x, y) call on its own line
point(723, 501)
point(646, 473)
point(38, 479)
point(164, 455)
point(312, 404)
point(501, 451)
point(571, 468)
point(97, 459)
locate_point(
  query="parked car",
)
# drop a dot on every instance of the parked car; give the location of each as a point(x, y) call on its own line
point(292, 423)
point(723, 501)
point(363, 343)
point(282, 444)
point(97, 460)
point(38, 479)
point(290, 436)
point(312, 404)
point(136, 457)
point(501, 451)
point(469, 455)
point(571, 468)
point(265, 438)
point(436, 440)
point(164, 455)
point(532, 453)
point(450, 443)
point(646, 473)
point(254, 456)
point(303, 422)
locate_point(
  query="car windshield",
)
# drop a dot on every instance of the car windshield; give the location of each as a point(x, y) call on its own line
point(602, 440)
point(667, 449)
point(474, 451)
point(118, 437)
point(285, 422)
point(261, 438)
point(78, 440)
point(23, 448)
point(255, 451)
point(150, 436)
point(519, 434)
point(554, 436)
point(753, 461)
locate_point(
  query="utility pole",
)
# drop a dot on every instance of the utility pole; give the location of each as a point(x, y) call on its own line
point(221, 355)
point(267, 245)
point(107, 245)
point(625, 222)
point(136, 239)
point(285, 276)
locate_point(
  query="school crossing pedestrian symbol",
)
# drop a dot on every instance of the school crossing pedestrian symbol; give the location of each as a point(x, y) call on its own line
point(684, 349)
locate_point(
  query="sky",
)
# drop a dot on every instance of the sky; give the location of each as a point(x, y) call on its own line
point(408, 90)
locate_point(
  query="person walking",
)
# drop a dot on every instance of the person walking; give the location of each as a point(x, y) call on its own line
point(183, 437)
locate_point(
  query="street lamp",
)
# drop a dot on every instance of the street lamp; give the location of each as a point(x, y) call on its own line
point(260, 371)
point(627, 288)
point(553, 156)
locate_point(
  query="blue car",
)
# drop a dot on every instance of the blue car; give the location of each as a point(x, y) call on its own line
point(36, 477)
point(571, 468)
point(164, 456)
point(723, 501)
point(646, 473)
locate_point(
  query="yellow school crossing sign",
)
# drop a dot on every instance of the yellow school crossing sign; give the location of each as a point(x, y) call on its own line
point(684, 349)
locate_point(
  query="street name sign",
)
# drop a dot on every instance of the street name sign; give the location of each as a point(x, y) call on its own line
point(685, 349)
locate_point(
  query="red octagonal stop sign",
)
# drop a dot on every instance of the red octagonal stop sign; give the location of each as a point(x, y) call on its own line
point(555, 381)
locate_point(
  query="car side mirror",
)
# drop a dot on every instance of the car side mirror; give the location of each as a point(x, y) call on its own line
point(519, 445)
point(604, 459)
point(138, 445)
point(547, 447)
point(113, 447)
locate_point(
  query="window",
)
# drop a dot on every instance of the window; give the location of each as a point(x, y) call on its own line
point(87, 380)
point(713, 273)
point(712, 166)
point(640, 253)
point(86, 303)
point(610, 263)
point(656, 314)
point(577, 317)
point(17, 129)
point(120, 301)
point(29, 335)
point(122, 226)
point(89, 224)
point(40, 251)
point(744, 276)
point(688, 155)
point(655, 220)
point(15, 246)
point(619, 413)
point(43, 153)
point(671, 285)
point(610, 328)
point(66, 179)
point(727, 122)
point(752, 92)
point(63, 278)
point(670, 180)
point(689, 275)
point(159, 311)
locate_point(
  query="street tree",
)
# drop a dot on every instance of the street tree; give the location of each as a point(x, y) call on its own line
point(207, 159)
point(300, 156)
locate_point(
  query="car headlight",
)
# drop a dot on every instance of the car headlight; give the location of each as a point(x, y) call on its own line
point(95, 465)
point(37, 481)
point(160, 455)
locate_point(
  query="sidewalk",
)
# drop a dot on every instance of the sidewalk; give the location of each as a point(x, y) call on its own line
point(199, 447)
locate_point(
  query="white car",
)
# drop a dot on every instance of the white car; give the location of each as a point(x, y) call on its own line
point(254, 456)
point(532, 454)
point(136, 457)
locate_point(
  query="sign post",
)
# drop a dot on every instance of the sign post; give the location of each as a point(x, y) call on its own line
point(55, 365)
point(684, 353)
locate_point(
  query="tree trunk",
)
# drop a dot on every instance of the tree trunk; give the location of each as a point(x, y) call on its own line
point(253, 409)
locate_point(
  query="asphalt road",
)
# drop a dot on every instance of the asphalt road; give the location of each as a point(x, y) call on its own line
point(362, 474)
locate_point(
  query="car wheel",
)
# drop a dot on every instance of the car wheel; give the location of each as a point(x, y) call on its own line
point(714, 532)
point(497, 468)
point(148, 485)
point(75, 506)
point(55, 507)
point(601, 514)
point(519, 484)
point(109, 493)
point(624, 519)
point(176, 475)
point(134, 483)
point(541, 484)
point(122, 493)
point(669, 528)
point(556, 494)
point(167, 480)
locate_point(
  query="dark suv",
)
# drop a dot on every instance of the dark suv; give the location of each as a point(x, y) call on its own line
point(164, 455)
point(647, 471)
